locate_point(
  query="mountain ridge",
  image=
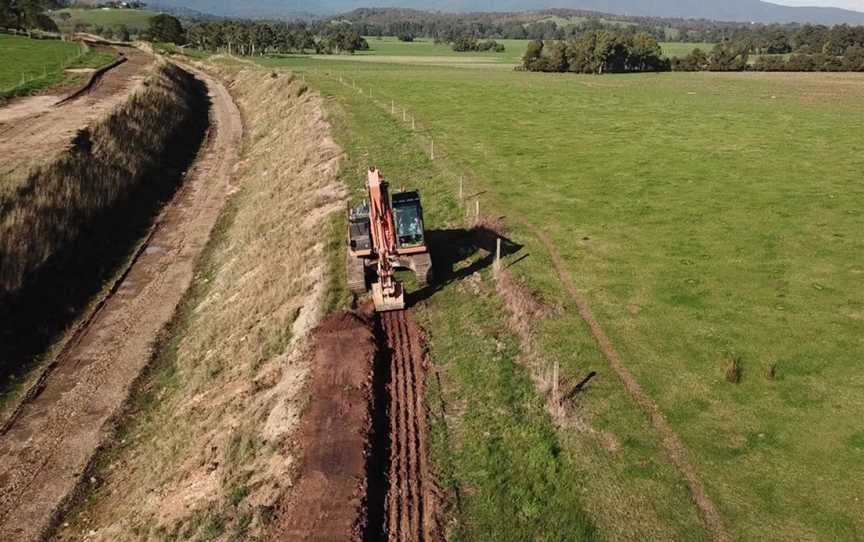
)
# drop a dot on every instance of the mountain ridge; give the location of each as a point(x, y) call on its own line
point(756, 11)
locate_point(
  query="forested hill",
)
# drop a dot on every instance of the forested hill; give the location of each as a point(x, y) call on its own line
point(721, 10)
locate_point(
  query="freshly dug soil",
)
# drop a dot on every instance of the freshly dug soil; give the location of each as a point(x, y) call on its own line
point(364, 473)
point(327, 502)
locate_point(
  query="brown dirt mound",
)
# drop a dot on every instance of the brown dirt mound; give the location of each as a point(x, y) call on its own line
point(326, 503)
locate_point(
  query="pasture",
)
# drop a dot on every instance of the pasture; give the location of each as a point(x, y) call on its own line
point(134, 19)
point(26, 59)
point(35, 65)
point(707, 219)
point(424, 51)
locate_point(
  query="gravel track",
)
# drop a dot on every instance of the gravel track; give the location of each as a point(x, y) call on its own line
point(410, 498)
point(46, 451)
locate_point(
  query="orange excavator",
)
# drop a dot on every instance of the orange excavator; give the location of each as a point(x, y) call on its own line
point(385, 234)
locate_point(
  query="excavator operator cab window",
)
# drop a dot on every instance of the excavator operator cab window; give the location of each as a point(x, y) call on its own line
point(359, 230)
point(409, 221)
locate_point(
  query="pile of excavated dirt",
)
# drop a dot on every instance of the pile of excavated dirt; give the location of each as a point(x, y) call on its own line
point(364, 473)
point(209, 448)
point(327, 500)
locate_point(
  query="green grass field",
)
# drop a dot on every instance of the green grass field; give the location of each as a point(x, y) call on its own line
point(706, 217)
point(134, 19)
point(34, 65)
point(25, 59)
point(390, 50)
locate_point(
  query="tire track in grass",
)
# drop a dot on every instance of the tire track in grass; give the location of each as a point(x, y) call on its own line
point(675, 448)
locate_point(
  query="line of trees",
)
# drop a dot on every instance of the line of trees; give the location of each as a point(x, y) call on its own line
point(733, 56)
point(598, 53)
point(567, 24)
point(28, 14)
point(254, 38)
point(619, 52)
point(471, 44)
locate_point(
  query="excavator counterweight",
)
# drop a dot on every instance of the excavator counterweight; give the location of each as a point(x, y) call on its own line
point(385, 234)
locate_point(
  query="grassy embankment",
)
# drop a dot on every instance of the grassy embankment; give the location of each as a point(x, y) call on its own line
point(205, 450)
point(707, 218)
point(30, 65)
point(67, 227)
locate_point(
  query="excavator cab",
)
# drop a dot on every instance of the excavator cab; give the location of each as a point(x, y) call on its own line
point(409, 220)
point(386, 233)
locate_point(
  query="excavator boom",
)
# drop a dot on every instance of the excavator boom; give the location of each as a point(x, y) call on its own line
point(387, 293)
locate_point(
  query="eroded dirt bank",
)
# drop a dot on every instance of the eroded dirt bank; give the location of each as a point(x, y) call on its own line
point(33, 129)
point(46, 450)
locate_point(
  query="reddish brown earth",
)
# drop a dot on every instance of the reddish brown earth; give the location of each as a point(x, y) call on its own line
point(327, 501)
point(364, 473)
point(410, 501)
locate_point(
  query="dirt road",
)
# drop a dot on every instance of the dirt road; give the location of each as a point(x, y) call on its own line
point(33, 129)
point(45, 452)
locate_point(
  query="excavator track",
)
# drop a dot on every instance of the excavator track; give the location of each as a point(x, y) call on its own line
point(410, 500)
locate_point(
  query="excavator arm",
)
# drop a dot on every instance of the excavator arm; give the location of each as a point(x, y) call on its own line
point(387, 293)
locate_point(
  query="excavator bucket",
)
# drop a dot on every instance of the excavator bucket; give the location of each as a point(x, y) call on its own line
point(384, 302)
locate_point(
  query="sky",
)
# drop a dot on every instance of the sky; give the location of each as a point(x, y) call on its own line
point(857, 5)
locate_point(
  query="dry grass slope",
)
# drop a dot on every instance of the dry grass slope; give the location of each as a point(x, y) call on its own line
point(211, 457)
point(104, 168)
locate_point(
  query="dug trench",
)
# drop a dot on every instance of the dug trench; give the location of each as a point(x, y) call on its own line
point(365, 472)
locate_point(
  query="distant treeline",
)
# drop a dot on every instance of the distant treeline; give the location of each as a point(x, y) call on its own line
point(622, 52)
point(29, 15)
point(253, 38)
point(468, 44)
point(597, 52)
point(564, 25)
point(732, 56)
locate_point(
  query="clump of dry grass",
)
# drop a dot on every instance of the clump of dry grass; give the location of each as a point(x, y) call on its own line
point(60, 203)
point(734, 370)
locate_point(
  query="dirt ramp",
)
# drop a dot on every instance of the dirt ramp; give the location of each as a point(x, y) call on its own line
point(327, 502)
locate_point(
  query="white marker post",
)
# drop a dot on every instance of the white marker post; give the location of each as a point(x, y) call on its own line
point(498, 255)
point(432, 150)
point(461, 187)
